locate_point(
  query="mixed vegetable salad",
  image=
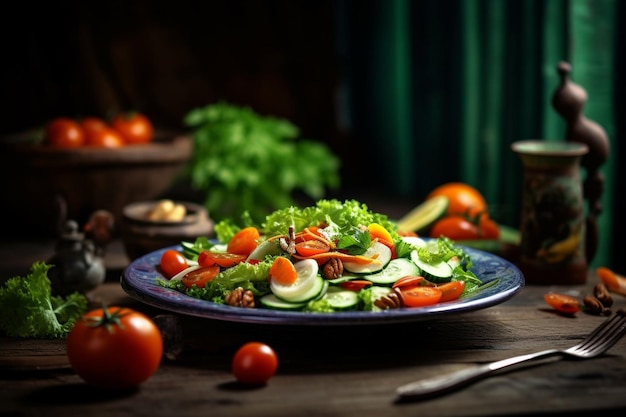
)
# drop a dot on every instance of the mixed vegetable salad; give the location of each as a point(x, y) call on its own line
point(333, 256)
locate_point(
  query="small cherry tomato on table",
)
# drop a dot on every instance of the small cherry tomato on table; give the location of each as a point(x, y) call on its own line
point(254, 363)
point(115, 347)
point(63, 132)
point(135, 127)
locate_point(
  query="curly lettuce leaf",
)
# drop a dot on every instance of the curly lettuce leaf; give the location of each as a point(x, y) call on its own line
point(28, 308)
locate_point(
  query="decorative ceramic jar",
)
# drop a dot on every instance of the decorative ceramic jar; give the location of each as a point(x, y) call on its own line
point(553, 212)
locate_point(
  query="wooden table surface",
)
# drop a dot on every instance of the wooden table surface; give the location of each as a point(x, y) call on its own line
point(328, 371)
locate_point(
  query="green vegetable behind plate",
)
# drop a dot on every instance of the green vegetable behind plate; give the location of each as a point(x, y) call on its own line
point(243, 161)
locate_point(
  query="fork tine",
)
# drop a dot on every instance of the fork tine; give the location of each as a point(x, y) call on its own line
point(604, 336)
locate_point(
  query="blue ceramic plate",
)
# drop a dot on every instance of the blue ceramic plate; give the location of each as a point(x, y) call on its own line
point(139, 280)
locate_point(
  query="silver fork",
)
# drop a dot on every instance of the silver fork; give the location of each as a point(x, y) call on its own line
point(597, 343)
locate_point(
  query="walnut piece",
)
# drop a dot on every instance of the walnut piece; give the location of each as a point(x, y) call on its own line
point(332, 269)
point(391, 300)
point(240, 298)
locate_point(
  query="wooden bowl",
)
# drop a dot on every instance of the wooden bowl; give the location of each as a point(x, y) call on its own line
point(88, 179)
point(141, 236)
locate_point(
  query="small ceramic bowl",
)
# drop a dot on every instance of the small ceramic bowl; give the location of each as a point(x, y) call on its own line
point(141, 235)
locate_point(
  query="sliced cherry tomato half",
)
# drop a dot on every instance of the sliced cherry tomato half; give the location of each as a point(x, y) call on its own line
point(201, 276)
point(562, 302)
point(244, 241)
point(408, 281)
point(356, 284)
point(223, 259)
point(420, 296)
point(311, 247)
point(451, 290)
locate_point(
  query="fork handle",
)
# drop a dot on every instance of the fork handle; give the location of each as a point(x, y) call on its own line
point(448, 382)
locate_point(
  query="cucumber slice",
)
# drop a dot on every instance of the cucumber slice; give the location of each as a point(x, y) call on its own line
point(272, 302)
point(376, 293)
point(379, 251)
point(308, 285)
point(268, 247)
point(415, 241)
point(396, 269)
point(341, 300)
point(439, 272)
point(313, 291)
point(424, 215)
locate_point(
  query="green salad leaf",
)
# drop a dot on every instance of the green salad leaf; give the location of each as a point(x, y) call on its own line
point(28, 308)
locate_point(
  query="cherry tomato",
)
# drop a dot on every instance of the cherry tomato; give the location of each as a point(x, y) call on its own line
point(223, 259)
point(408, 281)
point(63, 132)
point(455, 228)
point(104, 138)
point(420, 296)
point(311, 247)
point(254, 363)
point(562, 302)
point(93, 124)
point(116, 347)
point(201, 276)
point(463, 198)
point(244, 242)
point(172, 262)
point(464, 228)
point(489, 229)
point(135, 127)
point(451, 290)
point(356, 284)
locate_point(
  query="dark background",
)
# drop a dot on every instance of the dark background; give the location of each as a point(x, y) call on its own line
point(280, 57)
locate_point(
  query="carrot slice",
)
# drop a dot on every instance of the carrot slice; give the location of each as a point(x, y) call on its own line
point(379, 232)
point(283, 271)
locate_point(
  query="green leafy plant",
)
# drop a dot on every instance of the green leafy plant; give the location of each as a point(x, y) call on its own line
point(28, 308)
point(248, 163)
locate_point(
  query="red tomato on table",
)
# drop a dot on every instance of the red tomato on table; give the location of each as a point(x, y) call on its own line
point(254, 363)
point(115, 348)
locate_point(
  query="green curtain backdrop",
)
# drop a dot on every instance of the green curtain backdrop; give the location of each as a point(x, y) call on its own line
point(439, 89)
